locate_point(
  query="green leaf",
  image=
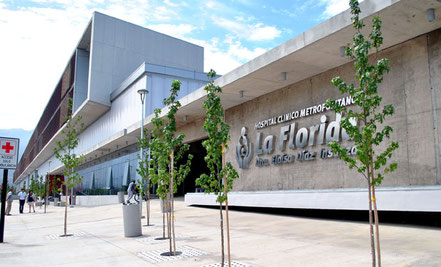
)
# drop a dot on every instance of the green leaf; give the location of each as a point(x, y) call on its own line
point(218, 134)
point(369, 159)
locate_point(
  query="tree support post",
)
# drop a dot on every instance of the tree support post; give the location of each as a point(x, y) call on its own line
point(226, 207)
point(45, 193)
point(65, 206)
point(172, 206)
point(377, 227)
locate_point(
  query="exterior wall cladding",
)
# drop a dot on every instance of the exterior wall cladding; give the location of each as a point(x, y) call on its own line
point(119, 47)
point(112, 171)
point(113, 60)
point(118, 168)
point(414, 80)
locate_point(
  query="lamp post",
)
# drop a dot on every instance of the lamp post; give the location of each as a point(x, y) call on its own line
point(148, 184)
point(142, 93)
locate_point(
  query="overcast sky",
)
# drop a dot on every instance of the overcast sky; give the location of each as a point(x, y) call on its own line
point(39, 36)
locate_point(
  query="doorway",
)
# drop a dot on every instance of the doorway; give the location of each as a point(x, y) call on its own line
point(198, 167)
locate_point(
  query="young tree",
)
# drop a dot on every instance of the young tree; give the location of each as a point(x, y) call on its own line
point(37, 185)
point(370, 134)
point(45, 192)
point(64, 152)
point(157, 165)
point(143, 171)
point(176, 148)
point(220, 179)
point(167, 148)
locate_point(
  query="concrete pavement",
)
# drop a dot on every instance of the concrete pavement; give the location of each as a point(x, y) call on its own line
point(256, 240)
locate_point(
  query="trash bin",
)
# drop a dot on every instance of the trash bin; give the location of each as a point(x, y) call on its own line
point(121, 197)
point(132, 220)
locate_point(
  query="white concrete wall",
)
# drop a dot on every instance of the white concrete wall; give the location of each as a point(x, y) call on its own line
point(96, 200)
point(126, 108)
point(125, 111)
point(388, 199)
point(406, 87)
point(119, 47)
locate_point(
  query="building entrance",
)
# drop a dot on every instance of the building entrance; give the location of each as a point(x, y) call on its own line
point(198, 167)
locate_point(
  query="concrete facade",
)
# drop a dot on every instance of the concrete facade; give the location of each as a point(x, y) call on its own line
point(407, 87)
point(121, 46)
point(296, 76)
point(411, 87)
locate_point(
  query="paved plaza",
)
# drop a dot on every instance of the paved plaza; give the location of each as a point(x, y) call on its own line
point(256, 240)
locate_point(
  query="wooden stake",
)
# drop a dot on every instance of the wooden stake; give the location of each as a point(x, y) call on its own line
point(172, 201)
point(377, 227)
point(226, 207)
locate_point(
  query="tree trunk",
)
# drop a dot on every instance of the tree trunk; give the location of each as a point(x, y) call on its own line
point(45, 203)
point(173, 228)
point(377, 230)
point(222, 231)
point(228, 232)
point(371, 227)
point(226, 208)
point(168, 226)
point(374, 201)
point(65, 205)
point(147, 204)
point(163, 220)
point(147, 211)
point(45, 196)
point(172, 206)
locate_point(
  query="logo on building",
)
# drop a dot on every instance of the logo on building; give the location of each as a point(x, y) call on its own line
point(244, 150)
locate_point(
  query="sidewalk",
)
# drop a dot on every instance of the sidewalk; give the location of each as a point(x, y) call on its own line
point(31, 239)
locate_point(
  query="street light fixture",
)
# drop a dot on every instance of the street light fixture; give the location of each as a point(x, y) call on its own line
point(142, 93)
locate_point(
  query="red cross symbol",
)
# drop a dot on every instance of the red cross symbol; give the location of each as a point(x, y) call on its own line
point(8, 147)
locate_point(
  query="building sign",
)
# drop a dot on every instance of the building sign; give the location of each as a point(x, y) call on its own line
point(344, 101)
point(8, 152)
point(291, 137)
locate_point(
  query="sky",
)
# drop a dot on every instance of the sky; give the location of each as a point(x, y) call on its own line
point(39, 37)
